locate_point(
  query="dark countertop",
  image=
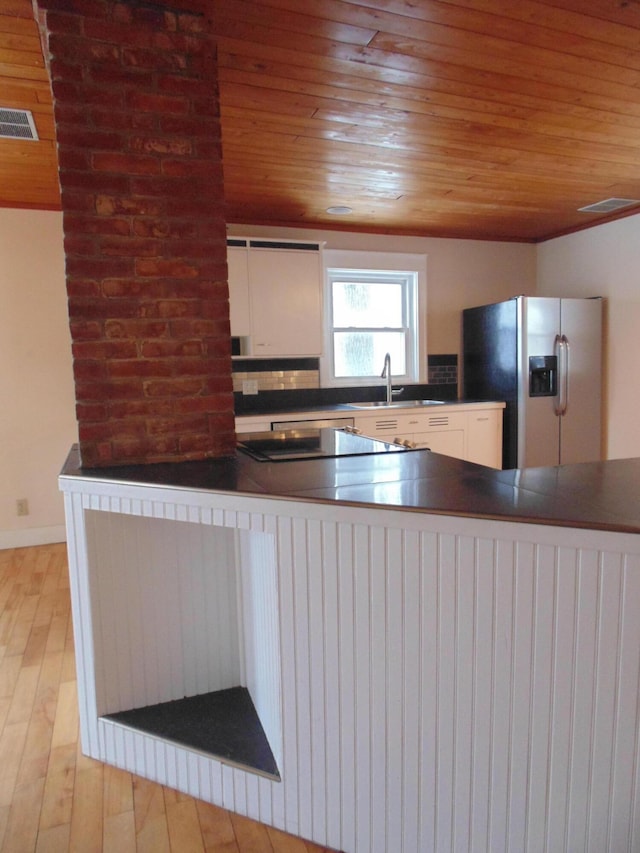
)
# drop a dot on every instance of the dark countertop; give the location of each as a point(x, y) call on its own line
point(595, 495)
point(362, 408)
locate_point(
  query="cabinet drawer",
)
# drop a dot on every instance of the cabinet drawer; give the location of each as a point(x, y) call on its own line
point(403, 423)
point(441, 421)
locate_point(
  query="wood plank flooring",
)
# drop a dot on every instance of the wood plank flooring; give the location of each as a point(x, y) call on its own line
point(53, 798)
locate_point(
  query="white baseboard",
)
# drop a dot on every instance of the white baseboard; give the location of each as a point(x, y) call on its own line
point(32, 536)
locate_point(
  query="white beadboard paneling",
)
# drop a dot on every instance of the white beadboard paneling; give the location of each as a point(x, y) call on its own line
point(605, 692)
point(329, 593)
point(317, 663)
point(464, 676)
point(164, 598)
point(544, 593)
point(626, 744)
point(428, 706)
point(301, 710)
point(484, 616)
point(82, 616)
point(377, 698)
point(362, 682)
point(395, 694)
point(521, 697)
point(585, 676)
point(444, 686)
point(412, 665)
point(502, 674)
point(261, 635)
point(345, 779)
point(438, 684)
point(562, 694)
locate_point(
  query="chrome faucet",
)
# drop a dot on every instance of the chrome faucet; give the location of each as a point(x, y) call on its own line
point(386, 374)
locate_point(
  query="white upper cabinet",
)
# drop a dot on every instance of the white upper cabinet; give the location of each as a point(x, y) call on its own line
point(239, 310)
point(276, 298)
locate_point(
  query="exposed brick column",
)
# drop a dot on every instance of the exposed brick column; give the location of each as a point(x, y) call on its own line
point(138, 133)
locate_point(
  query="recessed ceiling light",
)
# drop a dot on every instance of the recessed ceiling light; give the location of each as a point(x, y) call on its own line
point(339, 210)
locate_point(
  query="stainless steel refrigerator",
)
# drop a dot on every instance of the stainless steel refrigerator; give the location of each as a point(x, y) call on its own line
point(543, 357)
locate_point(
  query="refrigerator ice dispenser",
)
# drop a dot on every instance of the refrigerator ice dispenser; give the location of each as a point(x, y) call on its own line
point(543, 375)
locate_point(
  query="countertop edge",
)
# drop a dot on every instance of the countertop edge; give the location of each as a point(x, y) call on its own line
point(558, 488)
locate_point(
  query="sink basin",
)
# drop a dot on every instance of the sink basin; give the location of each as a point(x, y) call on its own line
point(397, 404)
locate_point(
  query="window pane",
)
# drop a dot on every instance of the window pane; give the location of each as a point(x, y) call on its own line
point(362, 353)
point(358, 304)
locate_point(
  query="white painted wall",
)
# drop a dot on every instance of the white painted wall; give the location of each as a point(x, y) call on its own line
point(605, 261)
point(37, 413)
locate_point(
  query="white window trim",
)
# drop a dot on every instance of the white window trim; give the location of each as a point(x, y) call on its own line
point(376, 261)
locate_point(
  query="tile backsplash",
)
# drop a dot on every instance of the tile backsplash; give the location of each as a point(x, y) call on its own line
point(442, 369)
point(286, 374)
point(277, 380)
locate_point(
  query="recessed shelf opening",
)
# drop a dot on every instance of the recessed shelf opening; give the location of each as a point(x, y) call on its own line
point(186, 636)
point(223, 724)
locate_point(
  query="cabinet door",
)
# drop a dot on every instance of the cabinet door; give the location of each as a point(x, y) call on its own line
point(286, 306)
point(238, 272)
point(484, 437)
point(448, 442)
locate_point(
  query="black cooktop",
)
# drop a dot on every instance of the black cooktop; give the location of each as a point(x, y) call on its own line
point(295, 444)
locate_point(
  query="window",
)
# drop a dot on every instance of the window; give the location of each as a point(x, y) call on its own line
point(370, 312)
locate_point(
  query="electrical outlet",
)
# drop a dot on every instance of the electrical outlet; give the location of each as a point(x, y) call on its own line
point(249, 386)
point(22, 506)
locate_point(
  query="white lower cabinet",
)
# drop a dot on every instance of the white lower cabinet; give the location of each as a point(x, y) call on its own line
point(469, 431)
point(448, 442)
point(473, 434)
point(484, 437)
point(442, 432)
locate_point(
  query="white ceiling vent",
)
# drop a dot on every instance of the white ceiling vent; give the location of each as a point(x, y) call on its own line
point(608, 205)
point(17, 124)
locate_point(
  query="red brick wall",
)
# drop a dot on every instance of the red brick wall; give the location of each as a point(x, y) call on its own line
point(138, 134)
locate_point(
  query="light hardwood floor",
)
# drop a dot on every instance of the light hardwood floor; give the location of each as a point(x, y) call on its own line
point(53, 798)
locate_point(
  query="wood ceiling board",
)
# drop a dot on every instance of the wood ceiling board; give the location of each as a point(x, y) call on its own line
point(467, 118)
point(434, 87)
point(578, 122)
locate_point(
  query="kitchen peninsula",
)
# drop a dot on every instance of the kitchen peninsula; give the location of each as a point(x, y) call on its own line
point(441, 655)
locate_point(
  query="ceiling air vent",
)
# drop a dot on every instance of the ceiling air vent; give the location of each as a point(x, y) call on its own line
point(17, 124)
point(608, 205)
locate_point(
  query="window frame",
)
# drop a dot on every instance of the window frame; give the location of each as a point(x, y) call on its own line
point(376, 265)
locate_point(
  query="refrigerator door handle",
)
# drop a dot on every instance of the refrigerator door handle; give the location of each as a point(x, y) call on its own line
point(557, 351)
point(561, 347)
point(563, 379)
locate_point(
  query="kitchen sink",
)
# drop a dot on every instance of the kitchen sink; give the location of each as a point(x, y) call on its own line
point(397, 404)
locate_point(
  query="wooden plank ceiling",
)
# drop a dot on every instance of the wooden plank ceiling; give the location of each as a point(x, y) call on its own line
point(464, 118)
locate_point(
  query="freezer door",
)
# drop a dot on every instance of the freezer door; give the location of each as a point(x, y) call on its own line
point(490, 372)
point(539, 428)
point(581, 425)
